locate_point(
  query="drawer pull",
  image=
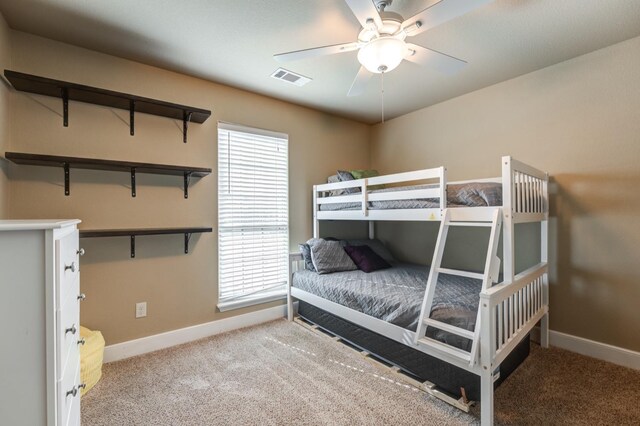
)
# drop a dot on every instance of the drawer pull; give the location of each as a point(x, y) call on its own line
point(73, 392)
point(80, 252)
point(72, 267)
point(81, 297)
point(82, 342)
point(71, 329)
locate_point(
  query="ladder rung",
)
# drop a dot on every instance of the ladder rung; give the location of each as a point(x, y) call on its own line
point(487, 224)
point(474, 275)
point(451, 350)
point(449, 328)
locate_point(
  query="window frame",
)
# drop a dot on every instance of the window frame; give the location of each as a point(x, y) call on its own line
point(266, 296)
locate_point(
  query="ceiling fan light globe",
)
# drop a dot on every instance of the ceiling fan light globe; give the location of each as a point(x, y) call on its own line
point(382, 54)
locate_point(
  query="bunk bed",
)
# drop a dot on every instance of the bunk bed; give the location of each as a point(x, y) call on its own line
point(425, 340)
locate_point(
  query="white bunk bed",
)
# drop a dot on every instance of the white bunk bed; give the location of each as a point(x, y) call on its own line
point(508, 310)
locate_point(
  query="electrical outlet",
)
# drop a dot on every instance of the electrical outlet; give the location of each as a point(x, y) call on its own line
point(141, 309)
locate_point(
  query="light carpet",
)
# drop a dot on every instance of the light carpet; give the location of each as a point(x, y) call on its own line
point(281, 373)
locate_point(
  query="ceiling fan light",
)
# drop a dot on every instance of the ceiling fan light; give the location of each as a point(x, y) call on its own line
point(382, 54)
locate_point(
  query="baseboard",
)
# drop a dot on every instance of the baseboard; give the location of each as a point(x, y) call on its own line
point(603, 351)
point(184, 335)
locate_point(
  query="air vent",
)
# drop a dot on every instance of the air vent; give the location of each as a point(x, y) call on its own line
point(290, 77)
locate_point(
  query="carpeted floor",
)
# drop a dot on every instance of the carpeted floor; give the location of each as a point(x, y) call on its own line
point(280, 373)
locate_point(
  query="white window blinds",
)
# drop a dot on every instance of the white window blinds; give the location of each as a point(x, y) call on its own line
point(253, 215)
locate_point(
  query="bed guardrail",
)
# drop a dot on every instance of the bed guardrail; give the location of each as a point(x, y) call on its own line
point(512, 310)
point(321, 194)
point(525, 190)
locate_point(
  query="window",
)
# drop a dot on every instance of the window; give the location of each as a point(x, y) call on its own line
point(253, 215)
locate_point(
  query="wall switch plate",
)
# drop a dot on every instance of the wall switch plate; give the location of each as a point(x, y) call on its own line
point(141, 309)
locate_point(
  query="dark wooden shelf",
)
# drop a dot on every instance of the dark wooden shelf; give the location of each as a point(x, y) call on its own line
point(132, 233)
point(109, 98)
point(100, 164)
point(95, 233)
point(68, 163)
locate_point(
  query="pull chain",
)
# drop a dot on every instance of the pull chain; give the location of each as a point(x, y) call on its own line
point(382, 94)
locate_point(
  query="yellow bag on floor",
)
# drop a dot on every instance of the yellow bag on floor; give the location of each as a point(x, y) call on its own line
point(91, 354)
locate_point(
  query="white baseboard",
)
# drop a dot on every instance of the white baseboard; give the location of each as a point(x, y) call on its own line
point(184, 335)
point(603, 351)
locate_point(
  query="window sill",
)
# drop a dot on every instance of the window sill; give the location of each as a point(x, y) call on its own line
point(250, 301)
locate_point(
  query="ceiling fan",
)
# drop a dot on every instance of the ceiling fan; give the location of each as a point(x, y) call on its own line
point(381, 43)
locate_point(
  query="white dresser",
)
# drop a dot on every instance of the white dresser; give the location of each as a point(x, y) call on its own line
point(40, 323)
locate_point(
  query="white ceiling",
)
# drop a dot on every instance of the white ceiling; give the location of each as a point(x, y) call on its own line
point(232, 42)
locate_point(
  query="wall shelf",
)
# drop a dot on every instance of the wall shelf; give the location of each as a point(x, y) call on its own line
point(132, 233)
point(67, 163)
point(77, 92)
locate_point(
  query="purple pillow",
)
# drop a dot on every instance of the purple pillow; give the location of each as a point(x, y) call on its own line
point(366, 259)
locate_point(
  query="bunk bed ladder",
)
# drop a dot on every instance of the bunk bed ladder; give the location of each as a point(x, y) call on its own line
point(488, 277)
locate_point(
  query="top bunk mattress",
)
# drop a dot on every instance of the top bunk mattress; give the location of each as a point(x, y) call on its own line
point(395, 295)
point(473, 194)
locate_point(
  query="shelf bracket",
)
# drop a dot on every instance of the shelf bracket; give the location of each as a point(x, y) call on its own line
point(187, 237)
point(133, 246)
point(133, 182)
point(66, 179)
point(65, 107)
point(187, 180)
point(185, 125)
point(132, 107)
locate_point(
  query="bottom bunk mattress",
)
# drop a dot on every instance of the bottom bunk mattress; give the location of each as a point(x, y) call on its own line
point(447, 377)
point(395, 295)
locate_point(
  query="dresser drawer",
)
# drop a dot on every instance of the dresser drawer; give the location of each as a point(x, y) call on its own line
point(68, 361)
point(67, 334)
point(68, 397)
point(74, 413)
point(67, 266)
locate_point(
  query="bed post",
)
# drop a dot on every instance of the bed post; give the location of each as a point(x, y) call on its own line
point(316, 223)
point(487, 339)
point(507, 220)
point(486, 398)
point(544, 257)
point(289, 297)
point(443, 190)
point(372, 230)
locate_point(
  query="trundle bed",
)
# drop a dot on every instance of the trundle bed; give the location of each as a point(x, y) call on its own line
point(461, 331)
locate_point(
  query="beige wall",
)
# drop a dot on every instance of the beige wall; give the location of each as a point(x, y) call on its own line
point(5, 62)
point(180, 289)
point(580, 121)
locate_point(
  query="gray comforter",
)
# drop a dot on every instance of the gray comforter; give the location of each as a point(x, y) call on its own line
point(474, 194)
point(395, 295)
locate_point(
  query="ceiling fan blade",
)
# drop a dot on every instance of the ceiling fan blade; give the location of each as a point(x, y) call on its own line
point(316, 51)
point(439, 13)
point(365, 10)
point(432, 58)
point(360, 83)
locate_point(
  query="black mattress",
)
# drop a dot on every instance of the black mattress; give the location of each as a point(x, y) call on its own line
point(445, 376)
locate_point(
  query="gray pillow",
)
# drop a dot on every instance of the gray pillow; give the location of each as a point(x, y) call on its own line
point(329, 256)
point(335, 179)
point(306, 255)
point(475, 194)
point(377, 246)
point(345, 176)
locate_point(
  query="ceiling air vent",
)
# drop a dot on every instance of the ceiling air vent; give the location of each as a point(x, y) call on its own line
point(290, 77)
